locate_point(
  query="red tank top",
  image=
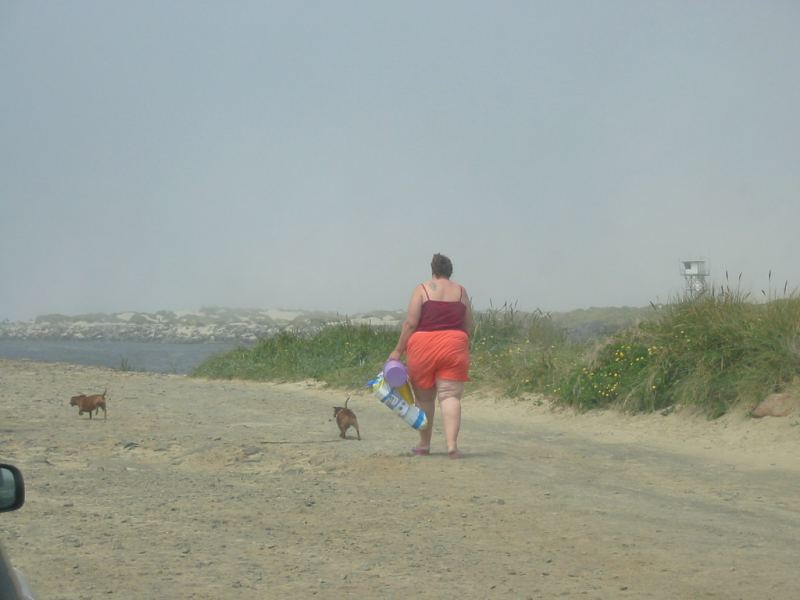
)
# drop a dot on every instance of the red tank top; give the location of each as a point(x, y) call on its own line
point(437, 315)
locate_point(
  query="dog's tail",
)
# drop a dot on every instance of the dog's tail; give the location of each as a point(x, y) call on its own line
point(347, 400)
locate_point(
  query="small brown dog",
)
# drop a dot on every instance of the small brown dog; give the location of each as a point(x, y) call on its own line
point(345, 418)
point(90, 403)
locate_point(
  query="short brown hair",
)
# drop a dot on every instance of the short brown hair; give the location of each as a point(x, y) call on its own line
point(441, 266)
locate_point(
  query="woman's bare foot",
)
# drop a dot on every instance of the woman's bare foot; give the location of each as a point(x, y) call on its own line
point(455, 454)
point(417, 451)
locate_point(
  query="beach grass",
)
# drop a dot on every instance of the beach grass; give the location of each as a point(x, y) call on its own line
point(515, 352)
point(512, 352)
point(712, 352)
point(342, 355)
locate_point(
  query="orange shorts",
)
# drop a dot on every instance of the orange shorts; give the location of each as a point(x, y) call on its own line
point(433, 355)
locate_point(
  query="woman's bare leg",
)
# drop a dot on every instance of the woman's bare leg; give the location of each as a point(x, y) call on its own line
point(426, 400)
point(450, 393)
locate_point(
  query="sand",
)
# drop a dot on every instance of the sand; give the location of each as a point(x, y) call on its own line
point(210, 489)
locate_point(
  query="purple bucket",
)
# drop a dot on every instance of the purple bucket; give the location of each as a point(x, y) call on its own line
point(394, 373)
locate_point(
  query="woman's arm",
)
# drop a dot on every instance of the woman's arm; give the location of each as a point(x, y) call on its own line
point(410, 323)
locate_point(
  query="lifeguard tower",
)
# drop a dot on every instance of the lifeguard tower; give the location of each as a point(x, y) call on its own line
point(695, 273)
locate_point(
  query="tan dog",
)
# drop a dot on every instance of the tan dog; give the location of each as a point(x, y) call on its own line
point(90, 404)
point(345, 418)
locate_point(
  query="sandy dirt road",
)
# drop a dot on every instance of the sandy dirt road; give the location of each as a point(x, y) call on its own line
point(203, 489)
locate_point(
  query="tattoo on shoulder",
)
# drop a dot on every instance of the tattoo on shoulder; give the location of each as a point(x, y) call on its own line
point(433, 285)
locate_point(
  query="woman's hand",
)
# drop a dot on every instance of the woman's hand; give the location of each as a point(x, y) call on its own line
point(395, 355)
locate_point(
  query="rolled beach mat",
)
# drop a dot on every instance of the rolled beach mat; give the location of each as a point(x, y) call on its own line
point(392, 400)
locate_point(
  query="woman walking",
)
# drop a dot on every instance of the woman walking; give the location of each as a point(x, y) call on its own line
point(435, 339)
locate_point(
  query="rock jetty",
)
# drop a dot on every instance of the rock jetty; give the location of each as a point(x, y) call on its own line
point(204, 325)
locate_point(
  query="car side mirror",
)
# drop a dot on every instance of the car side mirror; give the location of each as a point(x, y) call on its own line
point(12, 488)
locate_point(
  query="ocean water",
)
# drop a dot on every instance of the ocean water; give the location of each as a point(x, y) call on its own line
point(134, 356)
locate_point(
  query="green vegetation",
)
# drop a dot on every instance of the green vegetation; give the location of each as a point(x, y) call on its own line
point(512, 352)
point(515, 352)
point(588, 324)
point(341, 355)
point(711, 352)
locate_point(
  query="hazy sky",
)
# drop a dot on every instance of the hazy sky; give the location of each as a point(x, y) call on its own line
point(177, 154)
